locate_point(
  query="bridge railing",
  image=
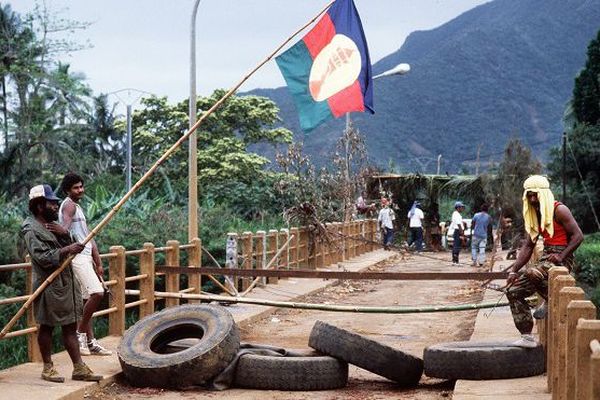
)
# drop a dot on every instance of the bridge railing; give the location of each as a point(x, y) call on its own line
point(570, 335)
point(248, 250)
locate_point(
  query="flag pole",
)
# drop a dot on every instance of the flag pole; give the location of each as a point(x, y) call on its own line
point(148, 173)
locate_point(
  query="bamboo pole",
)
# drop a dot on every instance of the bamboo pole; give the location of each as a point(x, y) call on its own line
point(334, 307)
point(275, 257)
point(148, 173)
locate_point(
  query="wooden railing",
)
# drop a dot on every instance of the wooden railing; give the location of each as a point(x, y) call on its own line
point(248, 250)
point(570, 334)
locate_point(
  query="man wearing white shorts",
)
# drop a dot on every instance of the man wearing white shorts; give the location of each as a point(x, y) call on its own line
point(87, 265)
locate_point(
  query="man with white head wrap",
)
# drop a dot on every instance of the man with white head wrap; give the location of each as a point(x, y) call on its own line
point(551, 220)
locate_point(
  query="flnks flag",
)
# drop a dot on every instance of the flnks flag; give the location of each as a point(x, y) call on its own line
point(328, 72)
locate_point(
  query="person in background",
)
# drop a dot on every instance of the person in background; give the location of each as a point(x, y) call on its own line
point(362, 208)
point(60, 304)
point(479, 229)
point(385, 220)
point(458, 235)
point(435, 228)
point(415, 223)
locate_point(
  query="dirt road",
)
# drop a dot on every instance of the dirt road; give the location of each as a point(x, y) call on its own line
point(408, 332)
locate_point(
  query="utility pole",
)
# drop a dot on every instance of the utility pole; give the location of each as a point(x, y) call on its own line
point(193, 139)
point(439, 164)
point(128, 155)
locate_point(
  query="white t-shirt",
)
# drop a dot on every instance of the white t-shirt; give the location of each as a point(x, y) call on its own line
point(416, 221)
point(386, 218)
point(457, 221)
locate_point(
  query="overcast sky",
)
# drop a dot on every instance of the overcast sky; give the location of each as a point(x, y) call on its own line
point(144, 44)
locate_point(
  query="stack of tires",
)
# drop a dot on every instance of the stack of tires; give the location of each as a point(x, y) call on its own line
point(148, 357)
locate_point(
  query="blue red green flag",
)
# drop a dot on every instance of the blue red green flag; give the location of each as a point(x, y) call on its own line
point(328, 72)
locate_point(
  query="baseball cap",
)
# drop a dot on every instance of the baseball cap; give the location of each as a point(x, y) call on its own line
point(44, 191)
point(458, 204)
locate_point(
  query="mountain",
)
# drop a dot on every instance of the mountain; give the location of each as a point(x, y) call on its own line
point(503, 69)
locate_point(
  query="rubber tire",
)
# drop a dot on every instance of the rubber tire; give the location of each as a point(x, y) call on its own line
point(365, 353)
point(483, 360)
point(145, 361)
point(311, 372)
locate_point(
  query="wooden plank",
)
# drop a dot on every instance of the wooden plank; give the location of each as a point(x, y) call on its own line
point(337, 274)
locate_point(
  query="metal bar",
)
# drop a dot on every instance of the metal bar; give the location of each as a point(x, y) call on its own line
point(299, 273)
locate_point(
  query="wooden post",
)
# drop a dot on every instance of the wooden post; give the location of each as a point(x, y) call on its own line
point(195, 260)
point(33, 350)
point(284, 263)
point(172, 280)
point(347, 241)
point(565, 296)
point(594, 374)
point(575, 310)
point(553, 289)
point(147, 284)
point(116, 271)
point(261, 252)
point(363, 236)
point(247, 257)
point(294, 248)
point(335, 248)
point(231, 256)
point(587, 330)
point(272, 250)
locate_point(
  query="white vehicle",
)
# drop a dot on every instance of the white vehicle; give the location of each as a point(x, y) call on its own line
point(467, 232)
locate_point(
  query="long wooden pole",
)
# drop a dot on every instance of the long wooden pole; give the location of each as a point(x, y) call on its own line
point(148, 173)
point(332, 307)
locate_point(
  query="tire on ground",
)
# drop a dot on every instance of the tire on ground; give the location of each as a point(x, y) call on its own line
point(482, 360)
point(144, 349)
point(363, 352)
point(311, 372)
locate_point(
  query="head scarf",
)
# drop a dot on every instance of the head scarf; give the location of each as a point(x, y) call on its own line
point(540, 185)
point(411, 212)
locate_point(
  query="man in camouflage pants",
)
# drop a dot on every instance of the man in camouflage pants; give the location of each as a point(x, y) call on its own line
point(553, 222)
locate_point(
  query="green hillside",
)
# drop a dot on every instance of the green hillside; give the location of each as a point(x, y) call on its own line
point(503, 69)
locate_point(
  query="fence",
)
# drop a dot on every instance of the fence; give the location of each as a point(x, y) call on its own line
point(253, 250)
point(570, 335)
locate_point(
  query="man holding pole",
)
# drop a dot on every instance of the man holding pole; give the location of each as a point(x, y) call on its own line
point(553, 222)
point(60, 304)
point(87, 265)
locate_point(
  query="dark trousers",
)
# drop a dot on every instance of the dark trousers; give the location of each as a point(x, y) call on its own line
point(416, 236)
point(388, 237)
point(456, 245)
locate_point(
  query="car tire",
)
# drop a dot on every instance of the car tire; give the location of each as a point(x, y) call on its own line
point(365, 353)
point(483, 360)
point(312, 371)
point(144, 349)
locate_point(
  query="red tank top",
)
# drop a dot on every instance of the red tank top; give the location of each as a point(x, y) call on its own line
point(560, 235)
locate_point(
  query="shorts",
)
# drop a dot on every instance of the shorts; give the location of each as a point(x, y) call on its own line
point(83, 267)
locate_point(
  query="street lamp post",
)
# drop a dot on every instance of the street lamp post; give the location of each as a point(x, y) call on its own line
point(129, 107)
point(193, 140)
point(400, 69)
